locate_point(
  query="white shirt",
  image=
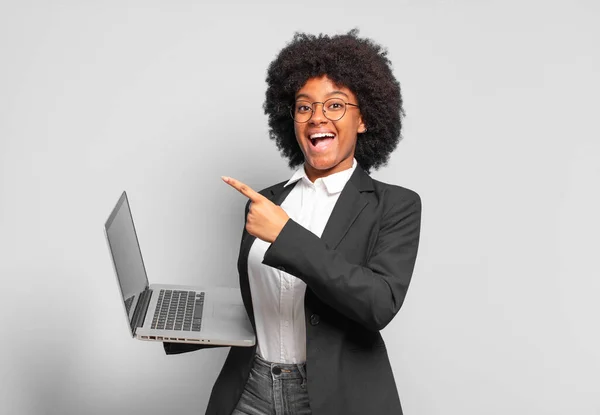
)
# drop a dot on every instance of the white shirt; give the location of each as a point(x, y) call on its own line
point(278, 297)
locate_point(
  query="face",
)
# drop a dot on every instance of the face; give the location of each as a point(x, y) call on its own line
point(328, 146)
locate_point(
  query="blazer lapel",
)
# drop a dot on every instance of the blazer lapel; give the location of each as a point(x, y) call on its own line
point(279, 194)
point(347, 208)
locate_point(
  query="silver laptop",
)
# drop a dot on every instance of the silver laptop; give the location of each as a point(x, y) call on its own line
point(165, 312)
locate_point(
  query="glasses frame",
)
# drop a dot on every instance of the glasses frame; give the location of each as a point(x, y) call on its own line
point(312, 109)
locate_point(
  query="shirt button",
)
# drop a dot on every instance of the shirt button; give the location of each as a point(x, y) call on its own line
point(286, 323)
point(315, 319)
point(276, 370)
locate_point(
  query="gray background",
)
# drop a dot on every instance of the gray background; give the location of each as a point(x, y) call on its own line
point(162, 98)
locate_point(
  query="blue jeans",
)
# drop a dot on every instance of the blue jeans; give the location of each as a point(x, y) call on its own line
point(274, 389)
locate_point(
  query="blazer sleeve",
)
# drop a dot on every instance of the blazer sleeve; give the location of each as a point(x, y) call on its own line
point(369, 294)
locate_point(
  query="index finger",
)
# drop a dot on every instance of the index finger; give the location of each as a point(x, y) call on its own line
point(243, 189)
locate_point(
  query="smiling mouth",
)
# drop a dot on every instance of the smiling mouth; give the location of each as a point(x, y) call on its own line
point(320, 139)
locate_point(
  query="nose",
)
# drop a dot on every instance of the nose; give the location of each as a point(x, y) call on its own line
point(318, 116)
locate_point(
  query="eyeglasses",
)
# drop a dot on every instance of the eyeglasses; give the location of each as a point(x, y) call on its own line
point(333, 109)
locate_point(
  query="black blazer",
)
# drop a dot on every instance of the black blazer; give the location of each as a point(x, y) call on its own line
point(357, 275)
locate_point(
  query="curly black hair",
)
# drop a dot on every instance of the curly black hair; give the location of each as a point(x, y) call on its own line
point(358, 64)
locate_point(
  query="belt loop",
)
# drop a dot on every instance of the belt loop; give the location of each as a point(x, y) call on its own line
point(302, 370)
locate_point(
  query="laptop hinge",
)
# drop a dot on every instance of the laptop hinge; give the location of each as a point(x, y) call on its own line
point(140, 309)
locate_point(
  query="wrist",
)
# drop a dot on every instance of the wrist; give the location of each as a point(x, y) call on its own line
point(280, 228)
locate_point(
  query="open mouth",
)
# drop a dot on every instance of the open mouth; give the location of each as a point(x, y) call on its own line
point(320, 140)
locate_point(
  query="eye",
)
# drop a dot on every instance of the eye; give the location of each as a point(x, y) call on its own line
point(335, 106)
point(303, 107)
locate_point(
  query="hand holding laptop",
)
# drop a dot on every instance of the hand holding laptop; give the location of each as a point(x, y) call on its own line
point(265, 219)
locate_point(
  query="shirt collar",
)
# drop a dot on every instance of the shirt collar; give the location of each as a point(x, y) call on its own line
point(334, 183)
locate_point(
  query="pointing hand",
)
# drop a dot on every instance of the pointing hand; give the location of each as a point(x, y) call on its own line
point(265, 219)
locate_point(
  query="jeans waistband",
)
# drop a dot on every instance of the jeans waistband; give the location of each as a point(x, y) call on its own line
point(280, 370)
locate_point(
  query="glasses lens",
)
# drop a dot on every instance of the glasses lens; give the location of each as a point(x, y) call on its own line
point(334, 108)
point(302, 111)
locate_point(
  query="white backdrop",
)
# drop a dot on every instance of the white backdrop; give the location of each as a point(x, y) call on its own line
point(501, 142)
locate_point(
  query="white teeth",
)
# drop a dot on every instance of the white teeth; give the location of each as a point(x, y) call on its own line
point(321, 135)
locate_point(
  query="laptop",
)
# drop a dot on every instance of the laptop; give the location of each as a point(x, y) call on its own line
point(167, 312)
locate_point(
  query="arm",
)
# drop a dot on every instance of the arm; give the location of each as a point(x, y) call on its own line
point(371, 294)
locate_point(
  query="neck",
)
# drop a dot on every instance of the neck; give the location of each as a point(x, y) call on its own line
point(314, 174)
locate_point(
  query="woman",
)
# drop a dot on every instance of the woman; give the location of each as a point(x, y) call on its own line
point(327, 256)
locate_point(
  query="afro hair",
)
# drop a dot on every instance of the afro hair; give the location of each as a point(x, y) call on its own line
point(358, 64)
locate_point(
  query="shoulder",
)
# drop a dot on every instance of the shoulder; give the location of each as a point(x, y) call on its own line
point(398, 207)
point(386, 196)
point(394, 195)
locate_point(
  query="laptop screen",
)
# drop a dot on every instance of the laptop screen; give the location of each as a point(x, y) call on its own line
point(126, 255)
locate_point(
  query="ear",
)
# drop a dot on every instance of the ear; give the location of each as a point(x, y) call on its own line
point(361, 126)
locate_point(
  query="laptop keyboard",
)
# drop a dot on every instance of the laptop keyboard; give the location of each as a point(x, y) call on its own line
point(178, 310)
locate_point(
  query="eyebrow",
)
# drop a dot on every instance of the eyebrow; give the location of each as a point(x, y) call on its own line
point(336, 92)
